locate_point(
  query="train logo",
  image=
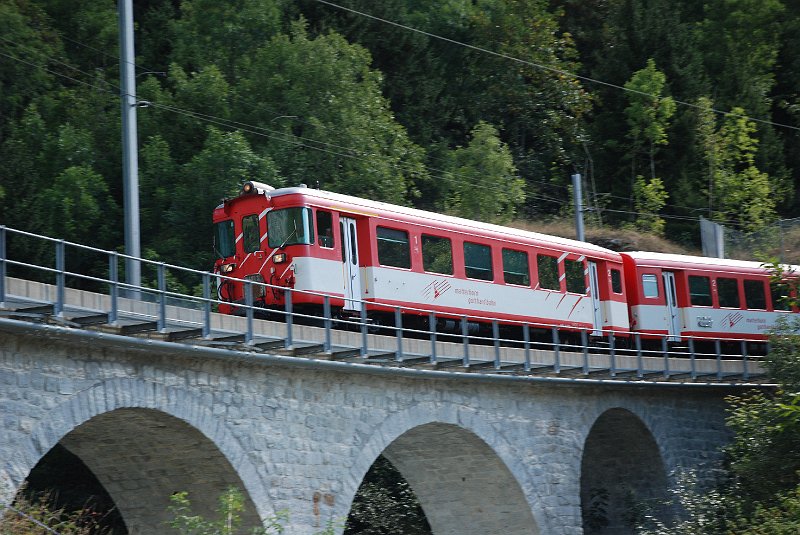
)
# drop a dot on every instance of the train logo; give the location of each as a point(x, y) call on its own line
point(436, 289)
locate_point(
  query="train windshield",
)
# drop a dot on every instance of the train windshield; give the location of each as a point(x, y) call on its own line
point(224, 241)
point(290, 226)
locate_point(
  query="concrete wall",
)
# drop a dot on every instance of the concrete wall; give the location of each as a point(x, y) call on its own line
point(484, 456)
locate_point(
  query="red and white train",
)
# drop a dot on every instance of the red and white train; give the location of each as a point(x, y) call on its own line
point(364, 253)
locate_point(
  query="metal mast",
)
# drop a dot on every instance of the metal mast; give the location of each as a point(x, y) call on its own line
point(130, 160)
point(577, 192)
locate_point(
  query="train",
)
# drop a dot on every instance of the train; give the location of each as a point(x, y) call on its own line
point(367, 258)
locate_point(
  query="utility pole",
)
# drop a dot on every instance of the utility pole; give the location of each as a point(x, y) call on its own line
point(577, 193)
point(130, 158)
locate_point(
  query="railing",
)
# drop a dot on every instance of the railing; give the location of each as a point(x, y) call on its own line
point(156, 307)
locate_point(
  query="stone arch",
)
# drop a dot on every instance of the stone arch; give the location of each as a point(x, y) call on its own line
point(621, 467)
point(458, 469)
point(145, 441)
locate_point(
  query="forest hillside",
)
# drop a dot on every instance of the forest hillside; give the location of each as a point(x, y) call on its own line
point(669, 109)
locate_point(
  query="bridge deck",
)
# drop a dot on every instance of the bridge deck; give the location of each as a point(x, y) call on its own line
point(184, 323)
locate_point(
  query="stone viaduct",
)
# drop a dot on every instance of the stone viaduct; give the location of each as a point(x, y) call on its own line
point(485, 454)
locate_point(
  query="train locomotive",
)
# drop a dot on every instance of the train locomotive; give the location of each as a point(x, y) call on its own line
point(369, 257)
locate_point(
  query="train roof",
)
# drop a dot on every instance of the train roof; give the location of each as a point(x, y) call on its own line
point(647, 258)
point(457, 224)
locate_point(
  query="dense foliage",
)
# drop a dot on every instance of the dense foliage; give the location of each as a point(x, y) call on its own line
point(759, 491)
point(301, 91)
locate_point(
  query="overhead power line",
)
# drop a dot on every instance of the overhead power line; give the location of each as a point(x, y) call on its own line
point(552, 69)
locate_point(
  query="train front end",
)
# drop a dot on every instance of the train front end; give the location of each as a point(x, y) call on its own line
point(247, 249)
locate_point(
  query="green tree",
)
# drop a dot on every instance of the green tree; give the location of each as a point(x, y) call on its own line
point(739, 194)
point(648, 114)
point(483, 180)
point(649, 197)
point(324, 118)
point(209, 32)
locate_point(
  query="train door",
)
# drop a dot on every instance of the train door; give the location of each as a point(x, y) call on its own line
point(671, 297)
point(350, 272)
point(594, 289)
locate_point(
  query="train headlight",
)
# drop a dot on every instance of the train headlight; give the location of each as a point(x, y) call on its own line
point(279, 258)
point(227, 268)
point(255, 187)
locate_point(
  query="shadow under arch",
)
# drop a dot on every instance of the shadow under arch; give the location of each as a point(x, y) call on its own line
point(621, 470)
point(142, 456)
point(462, 485)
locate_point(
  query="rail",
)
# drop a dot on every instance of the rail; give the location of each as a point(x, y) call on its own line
point(82, 287)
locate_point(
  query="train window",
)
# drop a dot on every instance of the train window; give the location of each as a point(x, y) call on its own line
point(650, 285)
point(700, 291)
point(576, 279)
point(224, 242)
point(250, 234)
point(478, 261)
point(515, 267)
point(290, 226)
point(393, 248)
point(616, 281)
point(325, 229)
point(728, 293)
point(547, 266)
point(437, 255)
point(780, 296)
point(754, 296)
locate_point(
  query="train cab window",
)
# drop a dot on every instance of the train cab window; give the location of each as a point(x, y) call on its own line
point(754, 296)
point(515, 267)
point(700, 291)
point(780, 296)
point(324, 229)
point(224, 240)
point(478, 261)
point(437, 255)
point(393, 248)
point(576, 279)
point(728, 293)
point(616, 281)
point(290, 226)
point(649, 285)
point(250, 235)
point(547, 266)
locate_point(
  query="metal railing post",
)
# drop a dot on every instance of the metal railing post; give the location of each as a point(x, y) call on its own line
point(526, 336)
point(162, 298)
point(585, 343)
point(464, 334)
point(2, 264)
point(665, 351)
point(248, 303)
point(556, 350)
point(113, 278)
point(496, 336)
point(718, 348)
point(432, 327)
point(692, 358)
point(289, 309)
point(398, 326)
point(364, 333)
point(745, 371)
point(639, 360)
point(60, 277)
point(612, 348)
point(206, 305)
point(328, 322)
